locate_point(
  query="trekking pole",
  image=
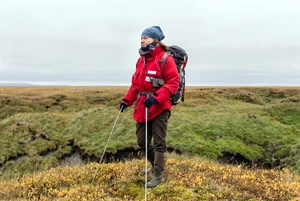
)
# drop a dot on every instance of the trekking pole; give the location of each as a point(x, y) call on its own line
point(107, 144)
point(146, 152)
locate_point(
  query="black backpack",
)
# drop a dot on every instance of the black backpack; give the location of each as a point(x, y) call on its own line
point(180, 58)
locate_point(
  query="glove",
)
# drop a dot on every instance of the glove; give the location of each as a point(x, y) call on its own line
point(123, 106)
point(150, 101)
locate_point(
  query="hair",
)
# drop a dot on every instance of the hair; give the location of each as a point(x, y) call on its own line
point(164, 46)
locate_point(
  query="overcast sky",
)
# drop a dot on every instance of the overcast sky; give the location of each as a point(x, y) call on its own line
point(85, 42)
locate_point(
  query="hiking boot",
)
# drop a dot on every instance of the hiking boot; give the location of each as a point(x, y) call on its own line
point(157, 179)
point(159, 168)
point(150, 158)
point(147, 171)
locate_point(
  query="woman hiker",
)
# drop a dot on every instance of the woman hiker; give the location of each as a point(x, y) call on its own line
point(150, 88)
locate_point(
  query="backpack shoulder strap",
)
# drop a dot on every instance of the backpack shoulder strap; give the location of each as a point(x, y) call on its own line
point(164, 61)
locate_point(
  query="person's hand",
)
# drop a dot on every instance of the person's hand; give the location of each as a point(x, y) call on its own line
point(150, 101)
point(123, 106)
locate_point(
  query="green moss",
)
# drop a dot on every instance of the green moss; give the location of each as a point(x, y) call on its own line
point(39, 146)
point(258, 123)
point(130, 189)
point(49, 162)
point(166, 192)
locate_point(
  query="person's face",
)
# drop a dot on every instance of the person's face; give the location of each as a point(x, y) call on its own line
point(145, 40)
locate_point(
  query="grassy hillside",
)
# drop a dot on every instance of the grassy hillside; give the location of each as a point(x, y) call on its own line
point(44, 127)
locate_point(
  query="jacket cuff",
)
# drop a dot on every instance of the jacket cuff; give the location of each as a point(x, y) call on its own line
point(125, 101)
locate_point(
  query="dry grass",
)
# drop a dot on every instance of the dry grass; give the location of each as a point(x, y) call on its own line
point(186, 178)
point(257, 124)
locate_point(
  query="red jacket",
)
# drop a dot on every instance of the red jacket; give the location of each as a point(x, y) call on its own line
point(149, 67)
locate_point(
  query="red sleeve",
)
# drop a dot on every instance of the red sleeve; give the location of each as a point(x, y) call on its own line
point(171, 79)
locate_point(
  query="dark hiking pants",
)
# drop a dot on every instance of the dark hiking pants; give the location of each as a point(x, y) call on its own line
point(157, 129)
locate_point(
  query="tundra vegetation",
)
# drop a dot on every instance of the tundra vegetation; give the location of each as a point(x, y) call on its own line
point(225, 143)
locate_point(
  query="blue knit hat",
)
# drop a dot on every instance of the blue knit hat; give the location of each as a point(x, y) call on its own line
point(154, 32)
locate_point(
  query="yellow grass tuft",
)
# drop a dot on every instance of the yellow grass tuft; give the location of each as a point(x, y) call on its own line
point(185, 179)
